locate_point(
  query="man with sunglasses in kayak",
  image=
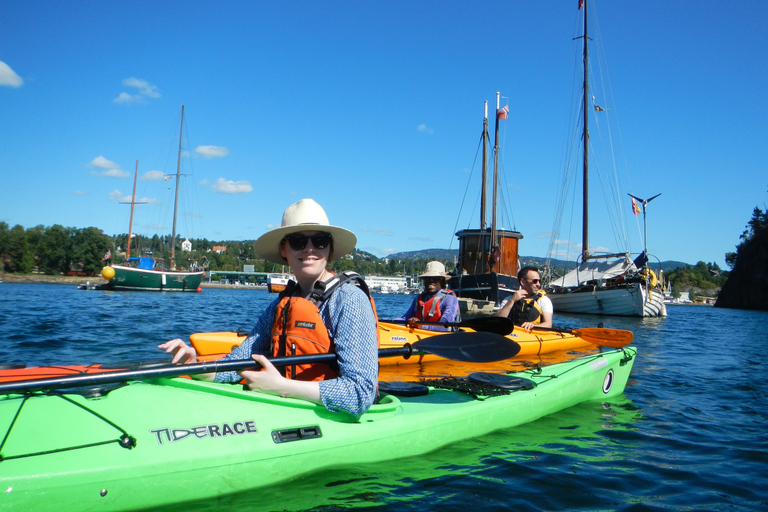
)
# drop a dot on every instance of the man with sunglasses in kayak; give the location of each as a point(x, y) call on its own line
point(529, 306)
point(320, 313)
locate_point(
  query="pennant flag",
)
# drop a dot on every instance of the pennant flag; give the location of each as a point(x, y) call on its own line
point(107, 256)
point(635, 207)
point(502, 113)
point(599, 108)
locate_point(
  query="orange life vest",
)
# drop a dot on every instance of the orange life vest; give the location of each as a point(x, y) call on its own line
point(429, 311)
point(298, 328)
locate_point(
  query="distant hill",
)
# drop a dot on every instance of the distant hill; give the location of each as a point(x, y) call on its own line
point(452, 254)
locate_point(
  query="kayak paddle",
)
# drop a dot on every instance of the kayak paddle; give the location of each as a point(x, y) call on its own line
point(615, 338)
point(495, 324)
point(473, 347)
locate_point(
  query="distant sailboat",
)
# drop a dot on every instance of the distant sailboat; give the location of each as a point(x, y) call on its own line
point(488, 258)
point(611, 284)
point(143, 273)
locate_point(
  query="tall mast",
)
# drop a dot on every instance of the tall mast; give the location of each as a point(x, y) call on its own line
point(176, 200)
point(495, 174)
point(483, 206)
point(130, 222)
point(585, 140)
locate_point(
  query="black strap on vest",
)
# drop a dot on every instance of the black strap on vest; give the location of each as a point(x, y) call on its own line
point(323, 290)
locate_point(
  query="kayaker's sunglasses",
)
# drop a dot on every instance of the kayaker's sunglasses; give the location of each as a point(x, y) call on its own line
point(299, 242)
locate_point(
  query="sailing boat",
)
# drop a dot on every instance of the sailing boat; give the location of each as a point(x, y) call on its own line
point(487, 265)
point(611, 284)
point(143, 273)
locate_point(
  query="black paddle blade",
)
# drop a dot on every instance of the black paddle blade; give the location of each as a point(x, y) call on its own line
point(495, 324)
point(470, 347)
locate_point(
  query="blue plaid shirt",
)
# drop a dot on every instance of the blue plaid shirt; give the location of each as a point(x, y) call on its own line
point(351, 323)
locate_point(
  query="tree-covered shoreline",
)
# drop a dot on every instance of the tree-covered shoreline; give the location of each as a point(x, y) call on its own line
point(747, 284)
point(58, 250)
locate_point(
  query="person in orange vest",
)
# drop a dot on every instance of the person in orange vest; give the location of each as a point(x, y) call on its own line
point(321, 313)
point(436, 303)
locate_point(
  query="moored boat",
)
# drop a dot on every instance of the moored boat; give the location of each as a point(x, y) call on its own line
point(158, 442)
point(276, 283)
point(602, 284)
point(147, 274)
point(486, 271)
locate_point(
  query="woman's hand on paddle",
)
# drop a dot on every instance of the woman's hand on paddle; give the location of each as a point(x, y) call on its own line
point(268, 380)
point(182, 353)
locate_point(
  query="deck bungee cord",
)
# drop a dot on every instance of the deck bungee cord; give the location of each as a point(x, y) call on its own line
point(125, 440)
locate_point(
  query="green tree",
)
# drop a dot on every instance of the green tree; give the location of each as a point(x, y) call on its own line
point(89, 245)
point(747, 285)
point(20, 257)
point(54, 252)
point(4, 234)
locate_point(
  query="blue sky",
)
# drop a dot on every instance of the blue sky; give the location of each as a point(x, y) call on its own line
point(375, 109)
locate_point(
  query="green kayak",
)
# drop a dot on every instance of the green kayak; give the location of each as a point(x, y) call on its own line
point(165, 441)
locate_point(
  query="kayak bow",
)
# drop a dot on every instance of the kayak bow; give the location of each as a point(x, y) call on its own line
point(174, 441)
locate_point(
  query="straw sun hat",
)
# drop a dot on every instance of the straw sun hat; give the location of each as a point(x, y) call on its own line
point(306, 215)
point(434, 269)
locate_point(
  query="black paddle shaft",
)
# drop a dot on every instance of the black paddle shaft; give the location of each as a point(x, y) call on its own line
point(470, 347)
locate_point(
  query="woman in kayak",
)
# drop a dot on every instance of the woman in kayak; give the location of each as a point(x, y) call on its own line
point(321, 313)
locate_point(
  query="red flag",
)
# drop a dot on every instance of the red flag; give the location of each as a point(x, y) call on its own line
point(107, 256)
point(502, 113)
point(635, 207)
point(581, 4)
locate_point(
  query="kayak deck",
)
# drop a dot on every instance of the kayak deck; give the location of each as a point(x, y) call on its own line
point(163, 441)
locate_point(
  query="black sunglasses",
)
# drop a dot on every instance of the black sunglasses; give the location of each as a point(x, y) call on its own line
point(299, 242)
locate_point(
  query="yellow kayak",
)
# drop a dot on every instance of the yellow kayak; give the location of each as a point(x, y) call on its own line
point(396, 335)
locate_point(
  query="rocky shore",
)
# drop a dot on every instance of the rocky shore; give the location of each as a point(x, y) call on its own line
point(96, 280)
point(6, 277)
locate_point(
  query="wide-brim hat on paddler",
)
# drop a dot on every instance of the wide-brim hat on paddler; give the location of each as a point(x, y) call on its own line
point(434, 269)
point(305, 215)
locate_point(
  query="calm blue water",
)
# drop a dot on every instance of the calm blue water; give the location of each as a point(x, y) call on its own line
point(691, 432)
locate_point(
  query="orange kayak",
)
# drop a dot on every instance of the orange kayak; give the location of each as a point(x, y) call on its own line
point(396, 335)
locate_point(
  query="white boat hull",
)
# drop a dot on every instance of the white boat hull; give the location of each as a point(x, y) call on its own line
point(629, 300)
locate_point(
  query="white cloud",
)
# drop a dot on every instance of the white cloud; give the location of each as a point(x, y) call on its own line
point(125, 99)
point(8, 77)
point(112, 173)
point(377, 231)
point(231, 187)
point(144, 90)
point(153, 176)
point(80, 193)
point(103, 163)
point(424, 129)
point(116, 195)
point(144, 87)
point(212, 151)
